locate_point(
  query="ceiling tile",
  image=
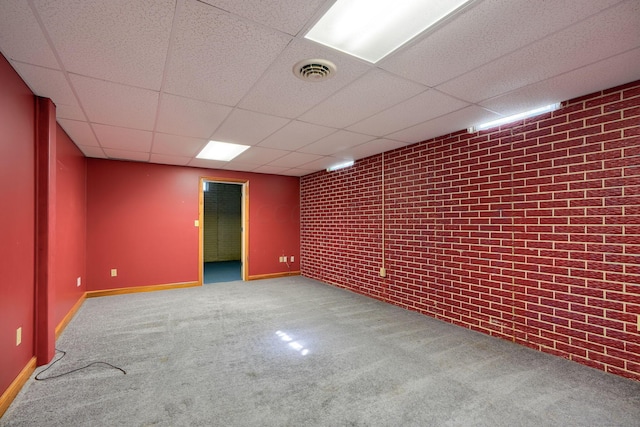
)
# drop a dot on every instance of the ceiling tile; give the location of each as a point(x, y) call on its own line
point(51, 84)
point(566, 50)
point(207, 164)
point(189, 117)
point(240, 166)
point(274, 170)
point(135, 156)
point(294, 160)
point(21, 37)
point(260, 155)
point(169, 160)
point(72, 112)
point(115, 104)
point(177, 145)
point(123, 138)
point(357, 101)
point(79, 132)
point(281, 93)
point(222, 54)
point(370, 148)
point(128, 43)
point(297, 172)
point(47, 82)
point(288, 16)
point(296, 134)
point(95, 152)
point(452, 122)
point(422, 107)
point(483, 33)
point(235, 128)
point(335, 143)
point(569, 85)
point(185, 71)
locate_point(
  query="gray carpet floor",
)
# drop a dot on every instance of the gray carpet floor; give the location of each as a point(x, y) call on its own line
point(296, 352)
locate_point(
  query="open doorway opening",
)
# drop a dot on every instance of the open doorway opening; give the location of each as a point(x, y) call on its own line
point(222, 231)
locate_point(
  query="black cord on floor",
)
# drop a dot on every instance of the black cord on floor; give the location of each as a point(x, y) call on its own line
point(64, 353)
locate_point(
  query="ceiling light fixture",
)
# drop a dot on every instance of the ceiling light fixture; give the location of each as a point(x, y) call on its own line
point(372, 29)
point(515, 117)
point(224, 151)
point(340, 166)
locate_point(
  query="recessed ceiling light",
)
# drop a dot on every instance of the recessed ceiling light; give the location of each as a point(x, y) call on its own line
point(224, 151)
point(515, 117)
point(372, 29)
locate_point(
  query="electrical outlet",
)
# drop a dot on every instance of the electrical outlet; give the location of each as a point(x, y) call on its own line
point(78, 281)
point(291, 259)
point(114, 272)
point(280, 259)
point(383, 272)
point(196, 223)
point(18, 336)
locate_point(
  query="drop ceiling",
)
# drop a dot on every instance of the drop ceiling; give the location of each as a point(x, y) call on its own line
point(155, 80)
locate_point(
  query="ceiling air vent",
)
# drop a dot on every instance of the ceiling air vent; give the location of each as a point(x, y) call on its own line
point(314, 70)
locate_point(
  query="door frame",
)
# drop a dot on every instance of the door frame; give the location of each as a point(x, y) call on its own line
point(244, 238)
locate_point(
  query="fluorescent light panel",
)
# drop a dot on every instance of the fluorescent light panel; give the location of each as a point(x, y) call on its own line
point(372, 29)
point(340, 166)
point(515, 117)
point(224, 151)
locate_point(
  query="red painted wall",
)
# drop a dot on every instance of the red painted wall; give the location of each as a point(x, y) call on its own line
point(70, 225)
point(46, 172)
point(530, 233)
point(141, 222)
point(17, 217)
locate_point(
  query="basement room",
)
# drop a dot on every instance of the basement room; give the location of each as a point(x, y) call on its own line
point(320, 213)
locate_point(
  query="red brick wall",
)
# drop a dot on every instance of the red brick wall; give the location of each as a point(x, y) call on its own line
point(530, 232)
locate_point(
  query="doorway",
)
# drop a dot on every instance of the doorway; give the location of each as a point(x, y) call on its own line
point(223, 231)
